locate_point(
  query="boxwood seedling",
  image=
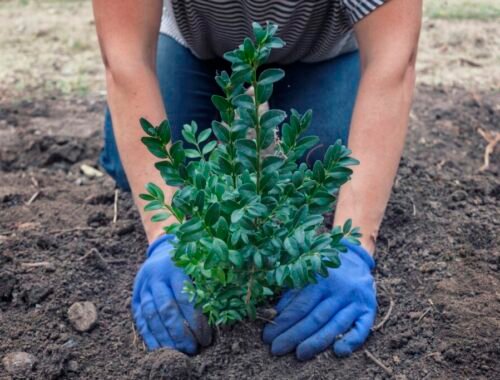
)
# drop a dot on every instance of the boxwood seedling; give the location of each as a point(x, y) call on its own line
point(249, 212)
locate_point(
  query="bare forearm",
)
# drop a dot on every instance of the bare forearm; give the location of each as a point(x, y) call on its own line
point(129, 100)
point(376, 138)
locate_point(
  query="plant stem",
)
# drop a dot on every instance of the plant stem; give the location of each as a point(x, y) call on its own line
point(257, 126)
point(249, 288)
point(172, 211)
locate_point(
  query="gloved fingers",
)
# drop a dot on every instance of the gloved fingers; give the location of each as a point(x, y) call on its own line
point(356, 336)
point(147, 336)
point(194, 317)
point(297, 308)
point(172, 319)
point(286, 299)
point(291, 338)
point(136, 291)
point(325, 337)
point(153, 320)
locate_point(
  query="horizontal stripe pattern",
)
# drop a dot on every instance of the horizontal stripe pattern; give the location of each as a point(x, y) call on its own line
point(314, 30)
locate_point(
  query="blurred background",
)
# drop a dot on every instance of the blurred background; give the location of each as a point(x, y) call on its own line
point(50, 46)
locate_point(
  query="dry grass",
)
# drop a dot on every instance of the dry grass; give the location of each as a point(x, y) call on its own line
point(47, 46)
point(462, 9)
point(50, 45)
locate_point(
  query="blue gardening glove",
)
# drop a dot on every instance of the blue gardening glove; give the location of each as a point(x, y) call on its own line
point(310, 319)
point(162, 311)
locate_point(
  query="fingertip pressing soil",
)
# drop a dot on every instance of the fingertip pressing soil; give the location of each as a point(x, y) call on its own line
point(438, 257)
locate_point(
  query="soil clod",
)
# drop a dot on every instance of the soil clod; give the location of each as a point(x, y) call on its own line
point(19, 363)
point(83, 316)
point(7, 283)
point(166, 364)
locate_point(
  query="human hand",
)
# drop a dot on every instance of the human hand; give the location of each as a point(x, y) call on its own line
point(310, 319)
point(162, 311)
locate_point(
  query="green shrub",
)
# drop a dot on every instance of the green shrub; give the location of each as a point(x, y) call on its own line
point(249, 221)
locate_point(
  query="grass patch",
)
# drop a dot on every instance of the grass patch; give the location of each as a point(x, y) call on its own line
point(462, 9)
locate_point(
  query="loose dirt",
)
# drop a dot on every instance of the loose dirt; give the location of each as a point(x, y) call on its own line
point(437, 273)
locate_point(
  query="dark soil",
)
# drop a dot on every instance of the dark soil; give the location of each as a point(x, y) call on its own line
point(438, 256)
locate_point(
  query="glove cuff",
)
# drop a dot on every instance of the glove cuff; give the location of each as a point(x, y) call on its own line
point(361, 252)
point(159, 241)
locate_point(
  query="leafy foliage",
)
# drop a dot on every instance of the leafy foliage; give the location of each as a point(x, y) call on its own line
point(249, 223)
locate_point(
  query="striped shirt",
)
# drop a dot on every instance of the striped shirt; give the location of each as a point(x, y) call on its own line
point(314, 30)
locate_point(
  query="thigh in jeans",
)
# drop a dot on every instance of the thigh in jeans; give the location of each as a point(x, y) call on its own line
point(329, 88)
point(186, 85)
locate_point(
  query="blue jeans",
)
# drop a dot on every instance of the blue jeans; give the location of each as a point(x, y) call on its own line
point(329, 88)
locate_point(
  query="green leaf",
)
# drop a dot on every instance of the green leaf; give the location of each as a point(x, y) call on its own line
point(276, 43)
point(295, 275)
point(147, 197)
point(155, 147)
point(300, 215)
point(212, 260)
point(204, 135)
point(263, 92)
point(188, 135)
point(192, 153)
point(225, 165)
point(259, 32)
point(305, 120)
point(241, 76)
point(177, 152)
point(236, 258)
point(267, 291)
point(272, 118)
point(160, 217)
point(191, 226)
point(347, 226)
point(270, 76)
point(221, 228)
point(280, 274)
point(288, 134)
point(292, 247)
point(312, 221)
point(244, 101)
point(318, 172)
point(271, 29)
point(232, 56)
point(155, 191)
point(247, 153)
point(248, 48)
point(237, 215)
point(257, 259)
point(257, 210)
point(200, 200)
point(147, 127)
point(164, 132)
point(246, 147)
point(221, 103)
point(209, 147)
point(212, 214)
point(154, 205)
point(332, 262)
point(221, 131)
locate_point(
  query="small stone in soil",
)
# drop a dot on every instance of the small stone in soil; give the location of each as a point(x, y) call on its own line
point(72, 366)
point(235, 347)
point(18, 363)
point(166, 364)
point(82, 315)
